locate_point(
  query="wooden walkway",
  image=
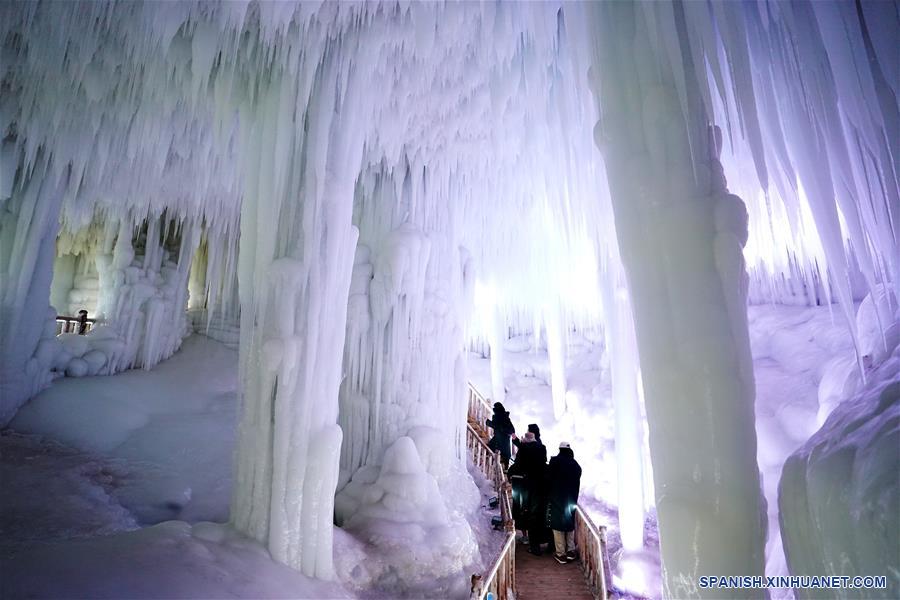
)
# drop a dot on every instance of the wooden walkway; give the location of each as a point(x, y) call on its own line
point(517, 574)
point(542, 578)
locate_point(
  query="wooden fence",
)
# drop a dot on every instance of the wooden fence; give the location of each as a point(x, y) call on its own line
point(65, 324)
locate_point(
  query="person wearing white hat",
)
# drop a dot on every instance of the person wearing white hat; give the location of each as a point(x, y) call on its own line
point(564, 478)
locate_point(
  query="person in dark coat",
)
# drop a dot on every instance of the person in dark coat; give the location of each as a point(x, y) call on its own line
point(533, 428)
point(528, 478)
point(564, 481)
point(503, 429)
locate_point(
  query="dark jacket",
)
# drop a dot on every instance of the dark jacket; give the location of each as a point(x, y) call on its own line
point(564, 481)
point(531, 460)
point(503, 429)
point(528, 476)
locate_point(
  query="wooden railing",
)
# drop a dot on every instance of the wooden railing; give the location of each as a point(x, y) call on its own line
point(479, 411)
point(589, 538)
point(591, 543)
point(488, 462)
point(500, 579)
point(66, 324)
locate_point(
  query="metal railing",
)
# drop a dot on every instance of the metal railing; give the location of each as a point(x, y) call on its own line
point(589, 538)
point(65, 324)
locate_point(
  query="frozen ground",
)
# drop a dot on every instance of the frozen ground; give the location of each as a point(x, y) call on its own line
point(173, 426)
point(89, 461)
point(96, 470)
point(792, 347)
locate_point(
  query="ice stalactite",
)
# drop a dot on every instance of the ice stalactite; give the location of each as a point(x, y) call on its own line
point(404, 354)
point(654, 137)
point(28, 227)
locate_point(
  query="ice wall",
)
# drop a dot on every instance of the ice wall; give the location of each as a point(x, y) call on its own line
point(404, 351)
point(839, 495)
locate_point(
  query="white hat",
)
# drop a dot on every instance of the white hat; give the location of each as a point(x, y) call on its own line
point(564, 445)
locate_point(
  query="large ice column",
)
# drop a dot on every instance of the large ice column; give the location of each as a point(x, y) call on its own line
point(28, 227)
point(667, 190)
point(297, 246)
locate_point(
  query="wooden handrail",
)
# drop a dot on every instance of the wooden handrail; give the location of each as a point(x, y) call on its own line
point(69, 324)
point(500, 579)
point(591, 543)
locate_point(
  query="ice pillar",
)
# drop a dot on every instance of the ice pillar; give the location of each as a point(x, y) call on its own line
point(28, 228)
point(679, 233)
point(296, 256)
point(556, 354)
point(629, 422)
point(496, 340)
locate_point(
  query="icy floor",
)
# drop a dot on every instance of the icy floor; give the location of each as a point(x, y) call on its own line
point(174, 427)
point(791, 348)
point(96, 471)
point(169, 560)
point(89, 461)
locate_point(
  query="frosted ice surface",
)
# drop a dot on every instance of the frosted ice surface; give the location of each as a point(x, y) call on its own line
point(415, 528)
point(838, 494)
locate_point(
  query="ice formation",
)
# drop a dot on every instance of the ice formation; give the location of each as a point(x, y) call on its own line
point(838, 494)
point(367, 187)
point(411, 510)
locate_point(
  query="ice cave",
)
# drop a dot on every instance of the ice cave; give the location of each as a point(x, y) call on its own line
point(450, 299)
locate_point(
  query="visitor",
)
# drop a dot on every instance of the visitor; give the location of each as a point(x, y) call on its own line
point(529, 474)
point(82, 321)
point(564, 479)
point(503, 429)
point(533, 428)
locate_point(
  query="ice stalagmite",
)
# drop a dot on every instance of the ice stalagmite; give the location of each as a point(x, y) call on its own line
point(661, 168)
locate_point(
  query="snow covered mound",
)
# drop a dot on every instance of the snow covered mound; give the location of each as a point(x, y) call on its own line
point(840, 493)
point(400, 510)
